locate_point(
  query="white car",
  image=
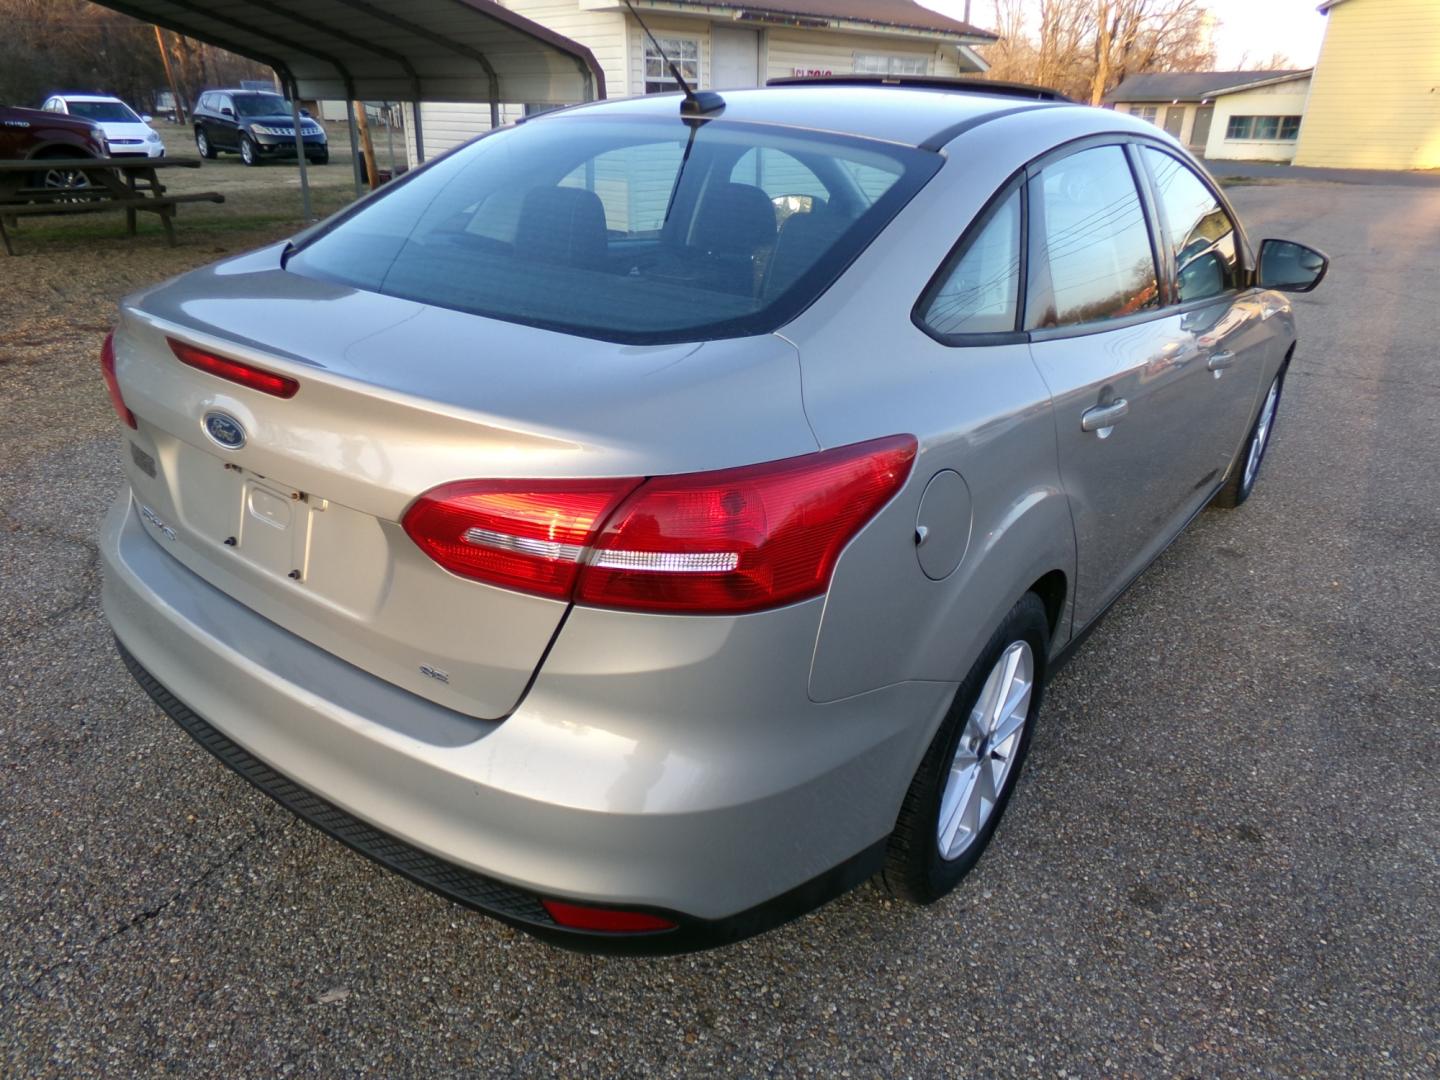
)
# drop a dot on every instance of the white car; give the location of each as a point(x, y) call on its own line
point(126, 132)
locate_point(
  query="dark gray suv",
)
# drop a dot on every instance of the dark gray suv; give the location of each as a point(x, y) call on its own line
point(256, 125)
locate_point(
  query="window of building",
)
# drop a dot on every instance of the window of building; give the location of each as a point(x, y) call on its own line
point(684, 52)
point(1263, 127)
point(980, 291)
point(1094, 244)
point(1146, 112)
point(1197, 230)
point(884, 64)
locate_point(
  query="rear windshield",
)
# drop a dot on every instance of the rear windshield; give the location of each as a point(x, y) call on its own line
point(641, 230)
point(102, 110)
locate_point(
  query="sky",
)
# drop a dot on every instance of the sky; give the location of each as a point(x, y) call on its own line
point(1259, 27)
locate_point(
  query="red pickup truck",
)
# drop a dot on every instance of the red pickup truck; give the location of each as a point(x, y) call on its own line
point(33, 135)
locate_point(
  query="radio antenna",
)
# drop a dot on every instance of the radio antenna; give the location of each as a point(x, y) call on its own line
point(695, 104)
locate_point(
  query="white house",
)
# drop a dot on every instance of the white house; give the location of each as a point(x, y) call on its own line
point(1200, 108)
point(729, 44)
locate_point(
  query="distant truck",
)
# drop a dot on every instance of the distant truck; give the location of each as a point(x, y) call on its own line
point(39, 136)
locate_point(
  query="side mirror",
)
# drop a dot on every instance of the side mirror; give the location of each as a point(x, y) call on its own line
point(146, 118)
point(305, 112)
point(1202, 277)
point(227, 111)
point(1290, 267)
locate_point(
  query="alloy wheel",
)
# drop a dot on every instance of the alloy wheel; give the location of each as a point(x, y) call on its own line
point(988, 747)
point(1262, 434)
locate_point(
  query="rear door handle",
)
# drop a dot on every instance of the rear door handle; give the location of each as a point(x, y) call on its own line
point(1104, 416)
point(1219, 360)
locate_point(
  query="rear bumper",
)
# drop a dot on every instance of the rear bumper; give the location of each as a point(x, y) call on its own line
point(725, 819)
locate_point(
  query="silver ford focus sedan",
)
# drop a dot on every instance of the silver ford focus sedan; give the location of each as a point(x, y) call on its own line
point(646, 522)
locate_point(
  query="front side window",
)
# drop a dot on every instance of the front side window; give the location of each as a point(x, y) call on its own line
point(683, 51)
point(1197, 230)
point(1090, 241)
point(979, 293)
point(633, 229)
point(887, 64)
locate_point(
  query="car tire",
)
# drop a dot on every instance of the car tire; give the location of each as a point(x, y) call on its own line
point(202, 144)
point(1246, 468)
point(944, 825)
point(249, 154)
point(320, 159)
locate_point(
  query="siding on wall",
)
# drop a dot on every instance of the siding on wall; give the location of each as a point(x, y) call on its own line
point(1375, 95)
point(1282, 99)
point(618, 44)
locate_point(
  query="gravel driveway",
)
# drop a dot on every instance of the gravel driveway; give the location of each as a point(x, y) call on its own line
point(1224, 858)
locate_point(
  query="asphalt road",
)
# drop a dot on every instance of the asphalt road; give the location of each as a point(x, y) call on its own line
point(1224, 858)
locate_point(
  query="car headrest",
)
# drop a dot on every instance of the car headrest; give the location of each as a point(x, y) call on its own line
point(564, 225)
point(803, 239)
point(735, 219)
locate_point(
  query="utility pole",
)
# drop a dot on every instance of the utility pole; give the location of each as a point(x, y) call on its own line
point(170, 77)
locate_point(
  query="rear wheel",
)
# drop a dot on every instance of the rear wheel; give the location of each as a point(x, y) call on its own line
point(248, 153)
point(202, 144)
point(964, 782)
point(1247, 466)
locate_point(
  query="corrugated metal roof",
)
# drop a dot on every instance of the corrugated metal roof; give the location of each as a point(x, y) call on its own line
point(1186, 85)
point(378, 50)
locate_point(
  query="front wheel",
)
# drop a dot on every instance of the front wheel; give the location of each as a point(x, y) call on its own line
point(1246, 469)
point(322, 158)
point(248, 153)
point(964, 782)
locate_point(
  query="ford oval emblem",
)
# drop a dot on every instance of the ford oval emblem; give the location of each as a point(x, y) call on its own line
point(225, 430)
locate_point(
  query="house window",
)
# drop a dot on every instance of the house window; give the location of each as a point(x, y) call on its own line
point(1146, 112)
point(883, 64)
point(684, 52)
point(1263, 127)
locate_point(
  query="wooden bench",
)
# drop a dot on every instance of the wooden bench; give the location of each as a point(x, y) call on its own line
point(130, 184)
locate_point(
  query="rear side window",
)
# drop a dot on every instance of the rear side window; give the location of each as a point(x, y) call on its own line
point(633, 229)
point(1197, 231)
point(979, 291)
point(1091, 244)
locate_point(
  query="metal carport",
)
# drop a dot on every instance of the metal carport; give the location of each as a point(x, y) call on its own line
point(380, 50)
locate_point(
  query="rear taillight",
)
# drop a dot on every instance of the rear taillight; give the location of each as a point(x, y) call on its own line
point(236, 371)
point(107, 369)
point(729, 541)
point(522, 534)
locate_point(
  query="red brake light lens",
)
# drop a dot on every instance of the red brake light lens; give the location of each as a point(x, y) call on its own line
point(729, 541)
point(742, 539)
point(112, 384)
point(521, 534)
point(236, 371)
point(611, 920)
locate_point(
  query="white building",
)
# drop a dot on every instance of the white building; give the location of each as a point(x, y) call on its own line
point(1221, 115)
point(729, 44)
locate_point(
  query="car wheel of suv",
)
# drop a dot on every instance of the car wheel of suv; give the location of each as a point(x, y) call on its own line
point(322, 158)
point(248, 154)
point(202, 144)
point(75, 183)
point(1247, 466)
point(965, 780)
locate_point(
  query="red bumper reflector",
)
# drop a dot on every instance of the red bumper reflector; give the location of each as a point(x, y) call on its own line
point(236, 371)
point(112, 384)
point(610, 920)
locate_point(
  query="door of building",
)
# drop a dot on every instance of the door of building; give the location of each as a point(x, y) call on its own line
point(1200, 135)
point(1175, 119)
point(734, 58)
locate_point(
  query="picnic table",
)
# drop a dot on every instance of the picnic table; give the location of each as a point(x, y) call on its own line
point(128, 183)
